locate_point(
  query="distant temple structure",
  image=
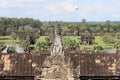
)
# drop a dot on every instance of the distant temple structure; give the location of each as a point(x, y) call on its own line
point(87, 40)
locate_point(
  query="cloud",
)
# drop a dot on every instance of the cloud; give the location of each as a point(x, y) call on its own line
point(116, 16)
point(53, 8)
point(60, 6)
point(66, 5)
point(10, 4)
point(24, 1)
point(61, 9)
point(20, 8)
point(97, 10)
point(17, 3)
point(4, 12)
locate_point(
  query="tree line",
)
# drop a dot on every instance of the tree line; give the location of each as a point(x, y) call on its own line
point(8, 25)
point(28, 30)
point(76, 28)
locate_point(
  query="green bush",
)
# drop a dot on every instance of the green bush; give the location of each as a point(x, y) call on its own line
point(11, 50)
point(2, 47)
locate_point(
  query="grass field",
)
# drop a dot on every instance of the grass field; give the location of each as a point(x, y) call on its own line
point(42, 38)
point(8, 40)
point(98, 42)
point(76, 38)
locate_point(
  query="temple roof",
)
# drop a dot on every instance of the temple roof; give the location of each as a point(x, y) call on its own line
point(90, 64)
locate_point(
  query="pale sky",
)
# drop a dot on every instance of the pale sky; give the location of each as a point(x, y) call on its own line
point(62, 10)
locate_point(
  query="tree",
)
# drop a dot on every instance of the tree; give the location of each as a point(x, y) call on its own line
point(48, 41)
point(105, 29)
point(11, 50)
point(69, 44)
point(1, 27)
point(117, 45)
point(98, 28)
point(25, 44)
point(108, 23)
point(21, 36)
point(83, 28)
point(92, 29)
point(9, 29)
point(15, 24)
point(118, 36)
point(41, 46)
point(2, 47)
point(13, 35)
point(65, 29)
point(98, 49)
point(21, 29)
point(109, 39)
point(45, 26)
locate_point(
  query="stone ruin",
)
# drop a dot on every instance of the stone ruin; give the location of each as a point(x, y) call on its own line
point(87, 39)
point(56, 66)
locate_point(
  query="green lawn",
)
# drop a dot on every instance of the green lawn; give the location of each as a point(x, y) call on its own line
point(8, 39)
point(76, 38)
point(5, 37)
point(42, 38)
point(98, 42)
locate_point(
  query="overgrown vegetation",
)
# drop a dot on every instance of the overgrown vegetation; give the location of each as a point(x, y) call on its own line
point(28, 32)
point(2, 47)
